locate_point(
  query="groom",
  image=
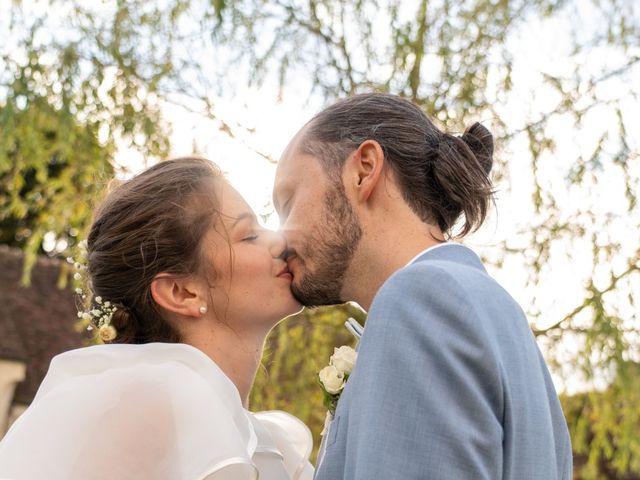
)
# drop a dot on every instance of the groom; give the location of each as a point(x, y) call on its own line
point(449, 382)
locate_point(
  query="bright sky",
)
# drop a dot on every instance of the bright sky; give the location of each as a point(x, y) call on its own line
point(274, 123)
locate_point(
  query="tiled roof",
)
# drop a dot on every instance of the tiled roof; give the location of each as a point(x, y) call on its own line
point(36, 322)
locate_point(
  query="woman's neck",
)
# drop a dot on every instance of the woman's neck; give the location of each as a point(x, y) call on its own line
point(237, 354)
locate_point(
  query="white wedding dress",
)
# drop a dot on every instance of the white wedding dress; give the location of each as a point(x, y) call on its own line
point(155, 412)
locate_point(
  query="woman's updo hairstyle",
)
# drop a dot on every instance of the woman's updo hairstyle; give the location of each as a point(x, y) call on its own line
point(150, 224)
point(441, 176)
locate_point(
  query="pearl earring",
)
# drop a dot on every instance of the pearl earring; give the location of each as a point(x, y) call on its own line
point(203, 309)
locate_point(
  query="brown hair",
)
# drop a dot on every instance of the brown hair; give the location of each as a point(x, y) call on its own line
point(441, 176)
point(150, 224)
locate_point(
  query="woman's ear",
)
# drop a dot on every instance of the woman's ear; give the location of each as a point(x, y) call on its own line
point(182, 296)
point(365, 169)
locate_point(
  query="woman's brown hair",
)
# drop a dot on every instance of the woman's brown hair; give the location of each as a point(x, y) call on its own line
point(151, 224)
point(441, 176)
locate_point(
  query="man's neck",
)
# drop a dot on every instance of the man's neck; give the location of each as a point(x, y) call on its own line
point(381, 254)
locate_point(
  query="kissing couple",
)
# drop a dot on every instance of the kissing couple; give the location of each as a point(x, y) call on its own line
point(184, 286)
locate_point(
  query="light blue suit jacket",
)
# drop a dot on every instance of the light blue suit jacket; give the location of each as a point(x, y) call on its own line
point(449, 384)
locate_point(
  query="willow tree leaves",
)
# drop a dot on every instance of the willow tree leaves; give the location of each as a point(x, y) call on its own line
point(80, 79)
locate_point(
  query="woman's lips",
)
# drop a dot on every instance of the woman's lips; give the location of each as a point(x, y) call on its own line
point(285, 273)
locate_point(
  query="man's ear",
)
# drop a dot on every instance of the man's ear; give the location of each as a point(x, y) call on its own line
point(182, 296)
point(365, 169)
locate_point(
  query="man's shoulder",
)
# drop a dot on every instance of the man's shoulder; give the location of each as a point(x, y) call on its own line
point(426, 278)
point(425, 291)
point(443, 292)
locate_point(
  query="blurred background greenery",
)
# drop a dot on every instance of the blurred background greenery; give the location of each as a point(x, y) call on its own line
point(557, 81)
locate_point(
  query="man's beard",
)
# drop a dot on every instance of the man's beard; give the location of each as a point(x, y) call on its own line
point(332, 250)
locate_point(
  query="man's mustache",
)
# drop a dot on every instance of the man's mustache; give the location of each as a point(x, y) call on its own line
point(288, 254)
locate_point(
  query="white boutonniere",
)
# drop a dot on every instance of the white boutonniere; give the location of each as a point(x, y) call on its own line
point(334, 376)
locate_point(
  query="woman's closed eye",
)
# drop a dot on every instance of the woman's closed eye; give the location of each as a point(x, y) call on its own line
point(251, 237)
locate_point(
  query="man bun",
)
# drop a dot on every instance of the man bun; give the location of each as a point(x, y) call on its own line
point(480, 141)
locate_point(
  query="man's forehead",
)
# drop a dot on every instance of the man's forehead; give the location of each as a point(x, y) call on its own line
point(294, 146)
point(291, 161)
point(290, 171)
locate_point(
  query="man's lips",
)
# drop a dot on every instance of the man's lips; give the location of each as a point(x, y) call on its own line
point(292, 262)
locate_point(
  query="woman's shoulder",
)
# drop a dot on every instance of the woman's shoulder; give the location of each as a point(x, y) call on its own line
point(176, 377)
point(120, 364)
point(142, 403)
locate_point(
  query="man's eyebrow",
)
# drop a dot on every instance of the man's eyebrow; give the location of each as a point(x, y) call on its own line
point(274, 197)
point(283, 188)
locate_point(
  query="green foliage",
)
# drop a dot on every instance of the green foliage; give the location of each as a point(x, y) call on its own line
point(604, 428)
point(68, 95)
point(51, 166)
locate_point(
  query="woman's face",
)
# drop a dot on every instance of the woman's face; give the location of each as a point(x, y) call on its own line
point(251, 286)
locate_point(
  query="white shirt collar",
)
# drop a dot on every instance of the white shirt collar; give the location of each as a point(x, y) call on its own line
point(432, 247)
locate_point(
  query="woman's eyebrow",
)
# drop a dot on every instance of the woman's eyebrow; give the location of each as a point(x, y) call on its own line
point(243, 216)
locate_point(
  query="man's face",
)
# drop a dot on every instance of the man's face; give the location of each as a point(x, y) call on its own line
point(320, 226)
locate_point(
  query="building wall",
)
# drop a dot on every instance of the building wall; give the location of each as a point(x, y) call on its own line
point(14, 412)
point(11, 373)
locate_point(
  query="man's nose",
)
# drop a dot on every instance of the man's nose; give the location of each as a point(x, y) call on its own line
point(277, 244)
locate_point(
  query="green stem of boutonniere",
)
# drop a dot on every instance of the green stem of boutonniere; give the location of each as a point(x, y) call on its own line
point(330, 400)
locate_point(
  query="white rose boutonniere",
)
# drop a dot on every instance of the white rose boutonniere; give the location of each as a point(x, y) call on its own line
point(344, 359)
point(332, 379)
point(334, 376)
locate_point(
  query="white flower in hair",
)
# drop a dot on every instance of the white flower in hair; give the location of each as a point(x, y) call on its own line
point(99, 314)
point(107, 333)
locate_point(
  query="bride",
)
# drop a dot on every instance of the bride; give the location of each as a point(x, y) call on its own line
point(186, 286)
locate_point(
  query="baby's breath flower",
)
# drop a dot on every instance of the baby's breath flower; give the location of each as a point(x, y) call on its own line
point(97, 316)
